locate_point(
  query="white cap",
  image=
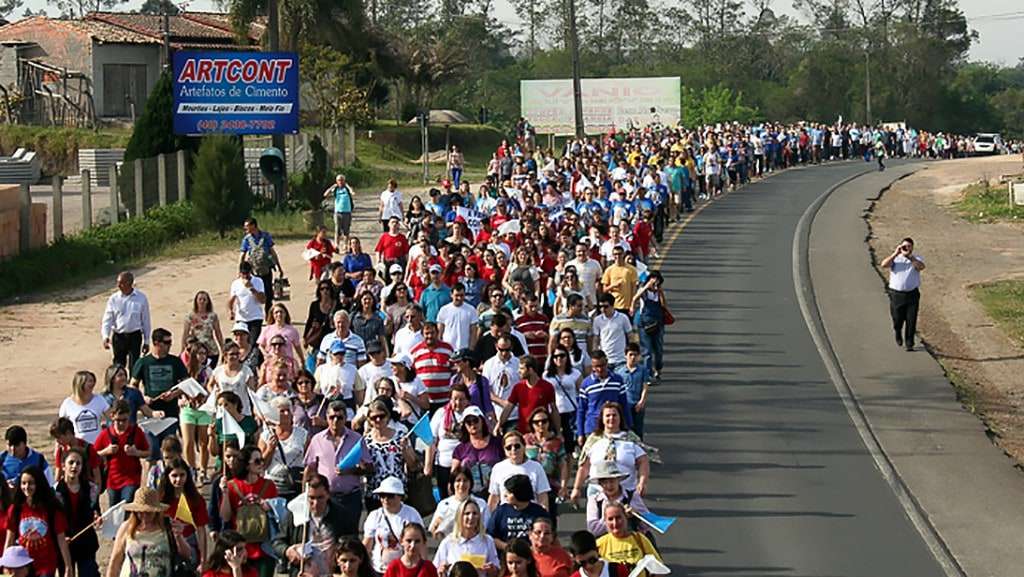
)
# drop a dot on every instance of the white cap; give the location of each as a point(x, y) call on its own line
point(472, 410)
point(239, 327)
point(401, 360)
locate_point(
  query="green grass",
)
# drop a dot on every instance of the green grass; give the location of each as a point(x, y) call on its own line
point(57, 147)
point(392, 155)
point(1004, 303)
point(982, 202)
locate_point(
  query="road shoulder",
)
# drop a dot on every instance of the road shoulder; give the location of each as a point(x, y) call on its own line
point(967, 490)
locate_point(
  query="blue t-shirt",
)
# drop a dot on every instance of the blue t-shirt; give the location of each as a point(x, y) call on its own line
point(135, 401)
point(357, 262)
point(507, 522)
point(433, 298)
point(342, 198)
point(13, 466)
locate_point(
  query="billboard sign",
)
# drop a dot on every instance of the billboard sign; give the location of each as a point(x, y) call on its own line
point(607, 103)
point(236, 92)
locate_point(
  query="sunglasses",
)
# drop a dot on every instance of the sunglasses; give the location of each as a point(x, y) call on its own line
point(335, 417)
point(304, 382)
point(378, 417)
point(277, 344)
point(471, 420)
point(513, 447)
point(505, 350)
point(536, 421)
point(559, 356)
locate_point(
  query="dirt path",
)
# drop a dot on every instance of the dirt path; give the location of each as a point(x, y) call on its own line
point(45, 341)
point(960, 254)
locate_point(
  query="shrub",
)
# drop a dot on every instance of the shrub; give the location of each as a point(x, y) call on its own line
point(93, 249)
point(308, 186)
point(220, 189)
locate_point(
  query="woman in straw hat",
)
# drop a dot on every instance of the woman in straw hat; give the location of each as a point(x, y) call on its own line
point(144, 541)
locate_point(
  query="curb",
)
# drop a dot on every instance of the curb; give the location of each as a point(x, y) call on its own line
point(804, 289)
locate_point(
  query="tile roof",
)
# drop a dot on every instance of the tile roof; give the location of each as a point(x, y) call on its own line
point(99, 31)
point(185, 27)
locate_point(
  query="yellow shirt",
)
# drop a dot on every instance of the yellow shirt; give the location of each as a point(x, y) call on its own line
point(621, 281)
point(628, 551)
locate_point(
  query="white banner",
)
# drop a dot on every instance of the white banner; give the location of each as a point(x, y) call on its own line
point(608, 103)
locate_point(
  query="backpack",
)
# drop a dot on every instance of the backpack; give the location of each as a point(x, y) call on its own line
point(250, 519)
point(260, 257)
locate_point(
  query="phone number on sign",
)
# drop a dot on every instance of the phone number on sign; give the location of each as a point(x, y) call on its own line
point(235, 125)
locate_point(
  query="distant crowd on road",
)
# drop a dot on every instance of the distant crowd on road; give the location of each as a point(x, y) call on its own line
point(489, 363)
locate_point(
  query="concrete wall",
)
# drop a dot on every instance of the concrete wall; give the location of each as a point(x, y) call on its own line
point(148, 54)
point(9, 66)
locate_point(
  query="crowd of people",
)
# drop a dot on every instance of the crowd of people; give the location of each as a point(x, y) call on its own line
point(487, 365)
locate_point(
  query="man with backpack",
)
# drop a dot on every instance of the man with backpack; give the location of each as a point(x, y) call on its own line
point(258, 250)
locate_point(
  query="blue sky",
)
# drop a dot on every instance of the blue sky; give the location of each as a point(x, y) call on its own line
point(998, 42)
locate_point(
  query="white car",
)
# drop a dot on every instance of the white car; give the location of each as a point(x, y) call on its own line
point(988, 143)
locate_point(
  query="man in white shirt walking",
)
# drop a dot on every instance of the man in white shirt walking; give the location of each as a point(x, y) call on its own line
point(458, 321)
point(904, 295)
point(248, 294)
point(126, 325)
point(612, 330)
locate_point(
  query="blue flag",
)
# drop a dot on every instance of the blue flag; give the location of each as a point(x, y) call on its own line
point(656, 522)
point(422, 429)
point(353, 457)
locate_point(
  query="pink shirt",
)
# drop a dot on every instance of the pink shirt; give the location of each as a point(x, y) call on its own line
point(290, 334)
point(322, 454)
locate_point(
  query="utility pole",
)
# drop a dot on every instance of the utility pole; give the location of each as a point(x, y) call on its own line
point(867, 84)
point(577, 92)
point(277, 139)
point(167, 39)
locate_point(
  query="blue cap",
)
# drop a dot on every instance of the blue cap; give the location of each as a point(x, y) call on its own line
point(337, 347)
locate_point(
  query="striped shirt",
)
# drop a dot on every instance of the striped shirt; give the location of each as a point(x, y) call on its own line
point(538, 346)
point(594, 393)
point(355, 348)
point(433, 367)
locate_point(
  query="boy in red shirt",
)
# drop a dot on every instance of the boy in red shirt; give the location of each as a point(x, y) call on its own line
point(393, 246)
point(124, 445)
point(528, 394)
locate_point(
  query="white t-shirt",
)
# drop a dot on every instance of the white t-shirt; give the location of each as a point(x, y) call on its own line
point(588, 273)
point(448, 508)
point(445, 445)
point(294, 449)
point(608, 249)
point(532, 469)
point(344, 379)
point(238, 384)
point(493, 370)
point(247, 308)
point(392, 201)
point(612, 334)
point(458, 322)
point(622, 451)
point(370, 374)
point(565, 390)
point(406, 339)
point(386, 531)
point(86, 418)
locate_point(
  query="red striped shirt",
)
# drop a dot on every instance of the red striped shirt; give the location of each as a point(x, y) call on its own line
point(538, 345)
point(433, 367)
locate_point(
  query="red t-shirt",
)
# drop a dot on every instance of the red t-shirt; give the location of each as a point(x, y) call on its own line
point(238, 488)
point(554, 562)
point(398, 569)
point(92, 459)
point(528, 398)
point(393, 247)
point(199, 514)
point(122, 470)
point(641, 241)
point(417, 284)
point(34, 534)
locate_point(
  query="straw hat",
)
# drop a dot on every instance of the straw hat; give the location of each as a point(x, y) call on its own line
point(146, 501)
point(606, 470)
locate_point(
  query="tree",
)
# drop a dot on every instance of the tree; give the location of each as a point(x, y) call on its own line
point(220, 189)
point(330, 76)
point(79, 8)
point(159, 7)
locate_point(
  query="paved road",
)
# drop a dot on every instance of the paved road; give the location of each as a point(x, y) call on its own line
point(762, 464)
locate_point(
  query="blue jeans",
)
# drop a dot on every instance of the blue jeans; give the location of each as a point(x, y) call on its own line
point(456, 177)
point(351, 505)
point(653, 348)
point(638, 423)
point(116, 496)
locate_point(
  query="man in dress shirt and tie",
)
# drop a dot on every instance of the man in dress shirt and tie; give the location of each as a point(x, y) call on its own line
point(904, 281)
point(126, 325)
